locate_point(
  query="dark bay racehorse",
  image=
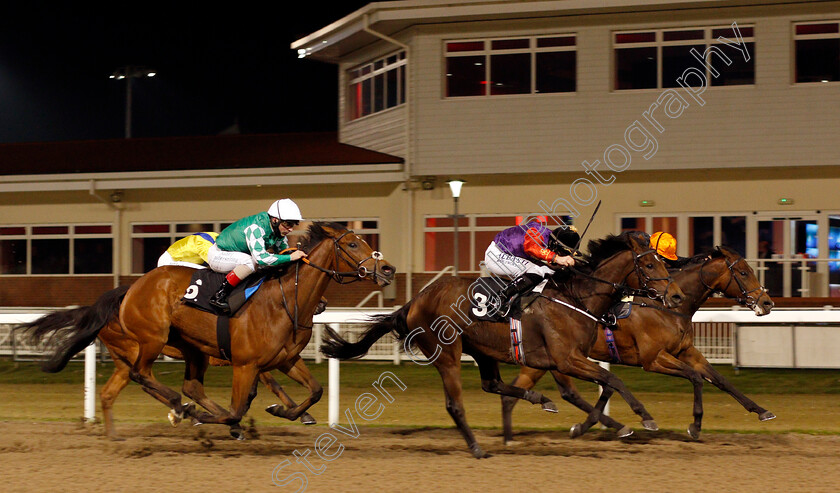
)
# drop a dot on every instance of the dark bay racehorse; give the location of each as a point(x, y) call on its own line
point(263, 333)
point(662, 341)
point(554, 336)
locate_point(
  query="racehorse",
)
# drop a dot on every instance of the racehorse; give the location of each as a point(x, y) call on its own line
point(264, 334)
point(554, 336)
point(661, 340)
point(103, 315)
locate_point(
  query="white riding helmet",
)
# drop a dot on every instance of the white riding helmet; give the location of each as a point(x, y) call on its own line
point(285, 209)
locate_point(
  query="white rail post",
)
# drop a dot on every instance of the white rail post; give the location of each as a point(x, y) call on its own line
point(333, 390)
point(605, 366)
point(90, 382)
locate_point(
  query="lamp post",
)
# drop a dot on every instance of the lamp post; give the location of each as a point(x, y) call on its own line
point(455, 188)
point(130, 72)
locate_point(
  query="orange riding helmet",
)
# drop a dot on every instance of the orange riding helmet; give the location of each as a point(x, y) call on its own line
point(664, 244)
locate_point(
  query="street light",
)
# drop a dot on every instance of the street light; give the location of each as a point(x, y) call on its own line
point(130, 72)
point(455, 188)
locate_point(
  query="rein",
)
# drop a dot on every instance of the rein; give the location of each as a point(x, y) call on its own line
point(339, 252)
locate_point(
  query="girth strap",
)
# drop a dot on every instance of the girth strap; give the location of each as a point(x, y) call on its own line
point(516, 341)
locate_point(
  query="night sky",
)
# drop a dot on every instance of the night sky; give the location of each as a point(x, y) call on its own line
point(215, 67)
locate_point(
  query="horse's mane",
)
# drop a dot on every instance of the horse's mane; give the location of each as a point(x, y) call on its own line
point(702, 256)
point(316, 233)
point(601, 250)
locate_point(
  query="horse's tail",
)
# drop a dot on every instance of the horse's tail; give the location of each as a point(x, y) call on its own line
point(69, 331)
point(336, 346)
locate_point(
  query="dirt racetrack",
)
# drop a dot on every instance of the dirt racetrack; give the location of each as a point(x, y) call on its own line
point(59, 457)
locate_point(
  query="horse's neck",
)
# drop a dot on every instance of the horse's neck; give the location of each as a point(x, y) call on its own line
point(601, 295)
point(689, 279)
point(311, 282)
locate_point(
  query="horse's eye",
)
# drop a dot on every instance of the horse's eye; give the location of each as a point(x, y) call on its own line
point(743, 273)
point(650, 266)
point(353, 244)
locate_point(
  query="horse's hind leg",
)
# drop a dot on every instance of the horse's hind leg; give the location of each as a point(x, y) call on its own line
point(112, 388)
point(491, 381)
point(526, 379)
point(450, 373)
point(301, 374)
point(277, 389)
point(141, 372)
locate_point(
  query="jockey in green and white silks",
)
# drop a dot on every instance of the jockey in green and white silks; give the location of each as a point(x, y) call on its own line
point(243, 246)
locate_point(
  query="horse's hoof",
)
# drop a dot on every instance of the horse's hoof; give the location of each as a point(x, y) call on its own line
point(694, 431)
point(549, 407)
point(275, 410)
point(237, 433)
point(650, 425)
point(511, 443)
point(625, 432)
point(478, 453)
point(576, 431)
point(766, 416)
point(116, 439)
point(307, 419)
point(174, 419)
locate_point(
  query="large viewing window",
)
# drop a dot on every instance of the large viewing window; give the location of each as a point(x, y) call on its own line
point(526, 65)
point(56, 249)
point(656, 59)
point(817, 52)
point(376, 86)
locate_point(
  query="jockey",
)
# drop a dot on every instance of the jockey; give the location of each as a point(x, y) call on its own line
point(666, 246)
point(523, 252)
point(190, 251)
point(243, 246)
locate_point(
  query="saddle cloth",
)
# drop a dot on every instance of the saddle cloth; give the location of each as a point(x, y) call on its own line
point(485, 290)
point(205, 283)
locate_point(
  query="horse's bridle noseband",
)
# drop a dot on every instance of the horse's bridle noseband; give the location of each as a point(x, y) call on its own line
point(746, 298)
point(360, 271)
point(646, 291)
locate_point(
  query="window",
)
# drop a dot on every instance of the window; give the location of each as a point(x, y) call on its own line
point(475, 232)
point(56, 249)
point(149, 241)
point(657, 58)
point(376, 86)
point(526, 65)
point(817, 52)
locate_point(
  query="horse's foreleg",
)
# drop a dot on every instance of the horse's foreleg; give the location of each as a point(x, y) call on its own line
point(491, 381)
point(277, 389)
point(570, 394)
point(526, 379)
point(301, 374)
point(667, 364)
point(695, 359)
point(578, 366)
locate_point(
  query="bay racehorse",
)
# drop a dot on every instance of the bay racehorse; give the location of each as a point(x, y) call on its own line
point(264, 334)
point(553, 336)
point(662, 341)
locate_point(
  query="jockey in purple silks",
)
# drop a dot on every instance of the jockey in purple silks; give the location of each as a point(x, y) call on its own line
point(523, 253)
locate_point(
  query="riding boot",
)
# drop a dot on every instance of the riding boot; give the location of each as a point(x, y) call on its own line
point(219, 299)
point(512, 293)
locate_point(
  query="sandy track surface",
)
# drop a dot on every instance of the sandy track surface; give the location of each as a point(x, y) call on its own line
point(73, 457)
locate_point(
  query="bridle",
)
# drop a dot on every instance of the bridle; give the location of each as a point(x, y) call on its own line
point(746, 298)
point(359, 271)
point(644, 278)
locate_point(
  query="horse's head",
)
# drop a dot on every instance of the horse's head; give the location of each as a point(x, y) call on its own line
point(352, 258)
point(736, 279)
point(651, 276)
